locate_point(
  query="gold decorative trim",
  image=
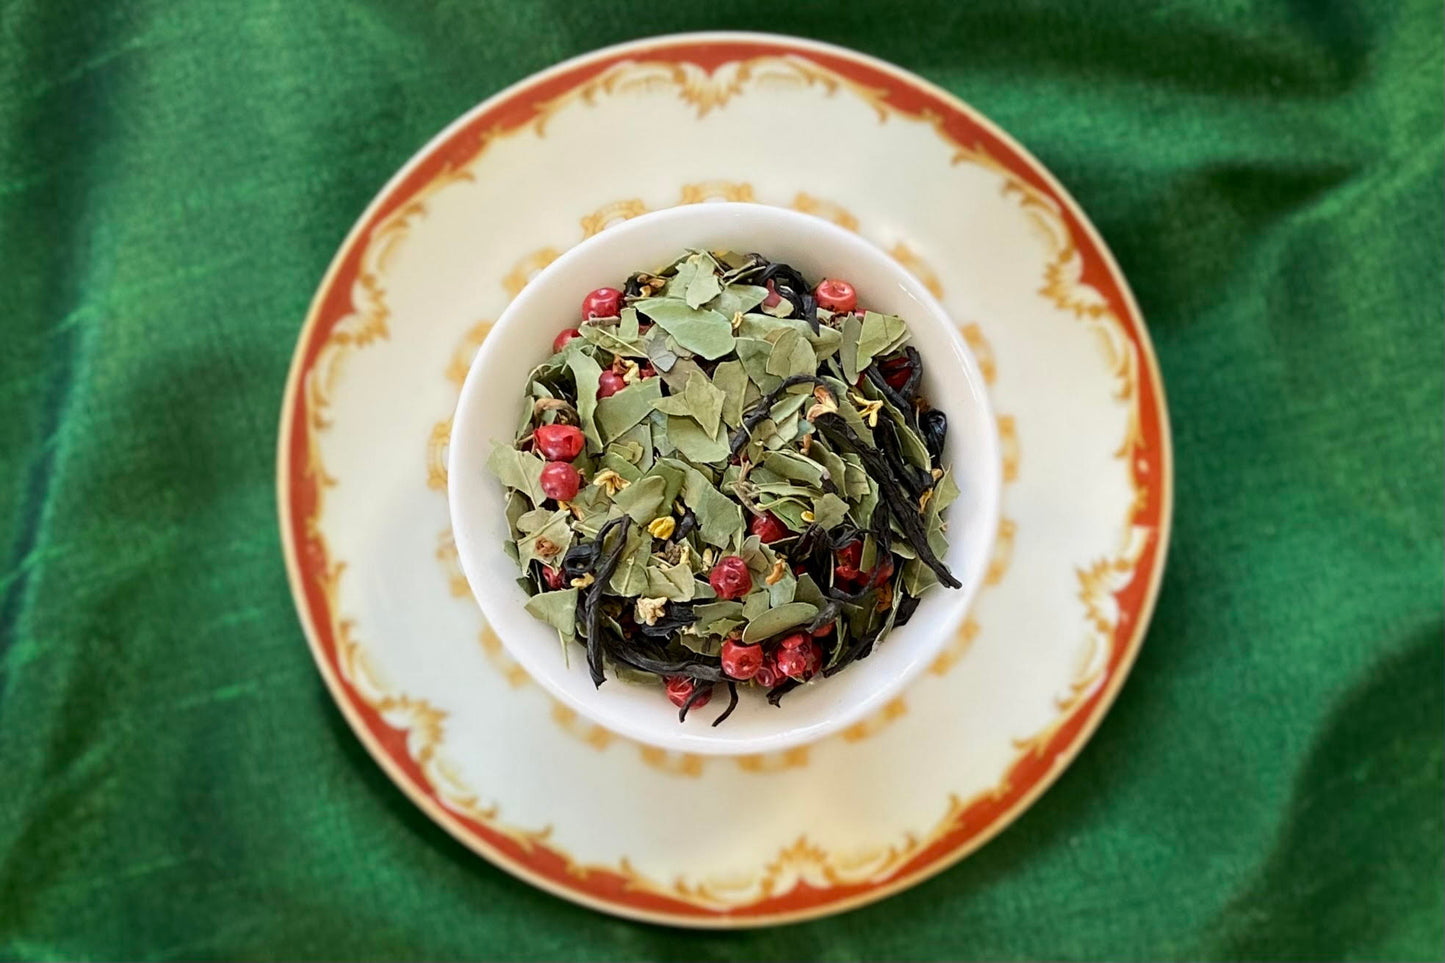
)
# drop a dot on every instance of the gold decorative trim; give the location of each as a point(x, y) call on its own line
point(522, 272)
point(982, 352)
point(436, 455)
point(1008, 443)
point(876, 723)
point(739, 191)
point(957, 649)
point(466, 350)
point(920, 269)
point(708, 90)
point(827, 210)
point(609, 214)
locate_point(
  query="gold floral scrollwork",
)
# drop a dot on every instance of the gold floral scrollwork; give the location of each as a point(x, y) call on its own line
point(708, 90)
point(447, 554)
point(526, 268)
point(918, 267)
point(1003, 551)
point(717, 190)
point(436, 455)
point(875, 723)
point(466, 350)
point(795, 758)
point(982, 352)
point(609, 214)
point(515, 675)
point(672, 763)
point(957, 648)
point(818, 207)
point(1008, 443)
point(590, 733)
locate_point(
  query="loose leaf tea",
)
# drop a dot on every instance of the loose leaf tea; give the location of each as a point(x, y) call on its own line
point(734, 480)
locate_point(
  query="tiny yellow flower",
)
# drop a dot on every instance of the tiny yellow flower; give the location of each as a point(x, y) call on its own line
point(609, 481)
point(662, 527)
point(650, 610)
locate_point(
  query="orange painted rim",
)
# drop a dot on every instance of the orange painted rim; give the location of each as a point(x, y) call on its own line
point(306, 563)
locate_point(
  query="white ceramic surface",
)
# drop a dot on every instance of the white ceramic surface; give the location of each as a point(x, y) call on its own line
point(489, 407)
point(520, 777)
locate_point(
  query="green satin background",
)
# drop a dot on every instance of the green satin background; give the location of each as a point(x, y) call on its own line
point(174, 781)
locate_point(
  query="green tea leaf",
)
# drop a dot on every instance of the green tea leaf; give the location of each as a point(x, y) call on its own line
point(794, 466)
point(626, 408)
point(737, 298)
point(700, 330)
point(642, 499)
point(630, 577)
point(792, 355)
point(719, 518)
point(607, 338)
point(878, 336)
point(677, 377)
point(711, 613)
point(848, 348)
point(702, 644)
point(614, 461)
point(662, 357)
point(699, 400)
point(731, 379)
point(808, 591)
point(673, 582)
point(628, 327)
point(546, 536)
point(945, 491)
point(754, 354)
point(693, 443)
point(587, 374)
point(703, 287)
point(558, 609)
point(776, 621)
point(829, 510)
point(832, 463)
point(756, 603)
point(638, 438)
point(521, 470)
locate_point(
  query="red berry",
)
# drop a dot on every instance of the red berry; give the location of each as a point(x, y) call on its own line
point(823, 630)
point(565, 335)
point(882, 572)
point(773, 298)
point(609, 384)
point(679, 690)
point(559, 442)
point(768, 675)
point(560, 481)
point(741, 661)
point(798, 663)
point(896, 371)
point(730, 577)
point(553, 577)
point(797, 640)
point(602, 303)
point(848, 557)
point(646, 371)
point(768, 527)
point(836, 295)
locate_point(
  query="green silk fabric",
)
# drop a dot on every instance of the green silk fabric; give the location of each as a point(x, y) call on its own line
point(176, 783)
